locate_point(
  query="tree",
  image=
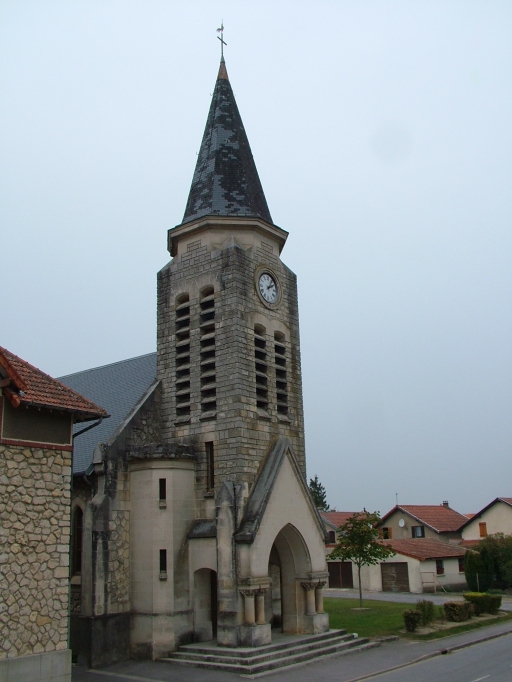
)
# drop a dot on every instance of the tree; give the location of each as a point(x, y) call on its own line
point(478, 570)
point(319, 494)
point(497, 549)
point(359, 542)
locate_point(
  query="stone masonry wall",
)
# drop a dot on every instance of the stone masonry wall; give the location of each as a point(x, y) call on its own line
point(34, 550)
point(242, 436)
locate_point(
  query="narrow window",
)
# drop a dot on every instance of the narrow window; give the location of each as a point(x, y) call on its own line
point(163, 561)
point(182, 336)
point(387, 533)
point(281, 375)
point(439, 567)
point(162, 492)
point(210, 466)
point(483, 529)
point(207, 341)
point(261, 367)
point(461, 564)
point(76, 541)
point(332, 537)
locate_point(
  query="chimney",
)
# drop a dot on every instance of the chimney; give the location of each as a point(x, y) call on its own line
point(445, 504)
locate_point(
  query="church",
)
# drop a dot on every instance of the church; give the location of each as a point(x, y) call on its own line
point(191, 517)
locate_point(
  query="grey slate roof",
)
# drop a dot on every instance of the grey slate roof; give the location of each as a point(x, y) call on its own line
point(116, 387)
point(225, 180)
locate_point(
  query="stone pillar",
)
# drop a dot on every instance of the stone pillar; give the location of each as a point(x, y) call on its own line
point(249, 612)
point(319, 597)
point(260, 607)
point(310, 598)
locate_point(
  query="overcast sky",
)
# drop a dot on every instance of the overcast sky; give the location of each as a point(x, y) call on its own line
point(382, 135)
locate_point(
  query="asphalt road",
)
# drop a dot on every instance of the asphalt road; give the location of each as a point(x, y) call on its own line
point(490, 661)
point(486, 658)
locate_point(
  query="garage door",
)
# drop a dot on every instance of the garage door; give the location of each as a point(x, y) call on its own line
point(395, 577)
point(340, 574)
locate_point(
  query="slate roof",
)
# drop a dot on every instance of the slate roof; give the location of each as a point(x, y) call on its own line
point(31, 386)
point(336, 518)
point(225, 180)
point(424, 548)
point(438, 517)
point(118, 387)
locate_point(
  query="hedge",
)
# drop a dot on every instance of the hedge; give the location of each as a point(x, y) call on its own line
point(411, 619)
point(458, 611)
point(483, 602)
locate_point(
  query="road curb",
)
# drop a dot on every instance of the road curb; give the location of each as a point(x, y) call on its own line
point(433, 654)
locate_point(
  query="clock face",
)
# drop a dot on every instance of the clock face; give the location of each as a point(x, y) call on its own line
point(268, 288)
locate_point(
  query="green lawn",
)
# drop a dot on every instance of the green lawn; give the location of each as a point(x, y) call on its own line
point(382, 618)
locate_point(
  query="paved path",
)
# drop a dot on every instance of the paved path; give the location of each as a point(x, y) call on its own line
point(349, 668)
point(407, 597)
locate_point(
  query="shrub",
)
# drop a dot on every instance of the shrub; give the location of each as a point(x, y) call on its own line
point(412, 620)
point(458, 611)
point(427, 610)
point(483, 602)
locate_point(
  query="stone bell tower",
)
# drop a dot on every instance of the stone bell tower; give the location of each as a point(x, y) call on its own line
point(246, 541)
point(228, 328)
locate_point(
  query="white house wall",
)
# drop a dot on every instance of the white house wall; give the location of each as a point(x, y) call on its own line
point(498, 519)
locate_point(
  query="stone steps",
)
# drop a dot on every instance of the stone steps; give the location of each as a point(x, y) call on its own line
point(287, 651)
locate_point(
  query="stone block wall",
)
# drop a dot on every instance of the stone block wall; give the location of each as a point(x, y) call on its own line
point(34, 551)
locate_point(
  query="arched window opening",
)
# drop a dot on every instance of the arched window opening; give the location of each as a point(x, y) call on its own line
point(261, 366)
point(281, 373)
point(182, 336)
point(207, 342)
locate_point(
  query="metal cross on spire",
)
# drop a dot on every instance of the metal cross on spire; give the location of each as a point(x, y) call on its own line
point(221, 38)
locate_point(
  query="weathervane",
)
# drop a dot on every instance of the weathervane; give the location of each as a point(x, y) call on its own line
point(221, 38)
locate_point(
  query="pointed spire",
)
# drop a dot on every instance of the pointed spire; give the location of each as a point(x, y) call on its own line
point(225, 180)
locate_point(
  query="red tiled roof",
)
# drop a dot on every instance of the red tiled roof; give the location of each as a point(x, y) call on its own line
point(335, 517)
point(423, 548)
point(440, 518)
point(33, 387)
point(470, 543)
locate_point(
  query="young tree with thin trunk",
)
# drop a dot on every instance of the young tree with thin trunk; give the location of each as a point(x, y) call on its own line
point(358, 541)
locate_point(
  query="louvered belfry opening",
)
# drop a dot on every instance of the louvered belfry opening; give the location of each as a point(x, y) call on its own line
point(208, 359)
point(281, 373)
point(182, 335)
point(261, 367)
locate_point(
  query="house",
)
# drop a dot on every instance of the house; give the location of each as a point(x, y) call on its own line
point(196, 520)
point(340, 572)
point(438, 522)
point(495, 518)
point(418, 565)
point(37, 414)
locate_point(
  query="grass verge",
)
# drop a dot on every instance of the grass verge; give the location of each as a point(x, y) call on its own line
point(382, 618)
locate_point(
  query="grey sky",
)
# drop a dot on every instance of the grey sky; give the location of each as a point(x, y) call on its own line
point(382, 135)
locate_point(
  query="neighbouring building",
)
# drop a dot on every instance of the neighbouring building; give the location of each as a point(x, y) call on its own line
point(340, 572)
point(195, 516)
point(418, 565)
point(37, 414)
point(437, 522)
point(495, 518)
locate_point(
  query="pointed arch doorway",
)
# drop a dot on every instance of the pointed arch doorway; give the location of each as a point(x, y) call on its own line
point(205, 605)
point(289, 563)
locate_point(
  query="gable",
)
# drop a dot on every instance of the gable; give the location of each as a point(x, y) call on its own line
point(263, 490)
